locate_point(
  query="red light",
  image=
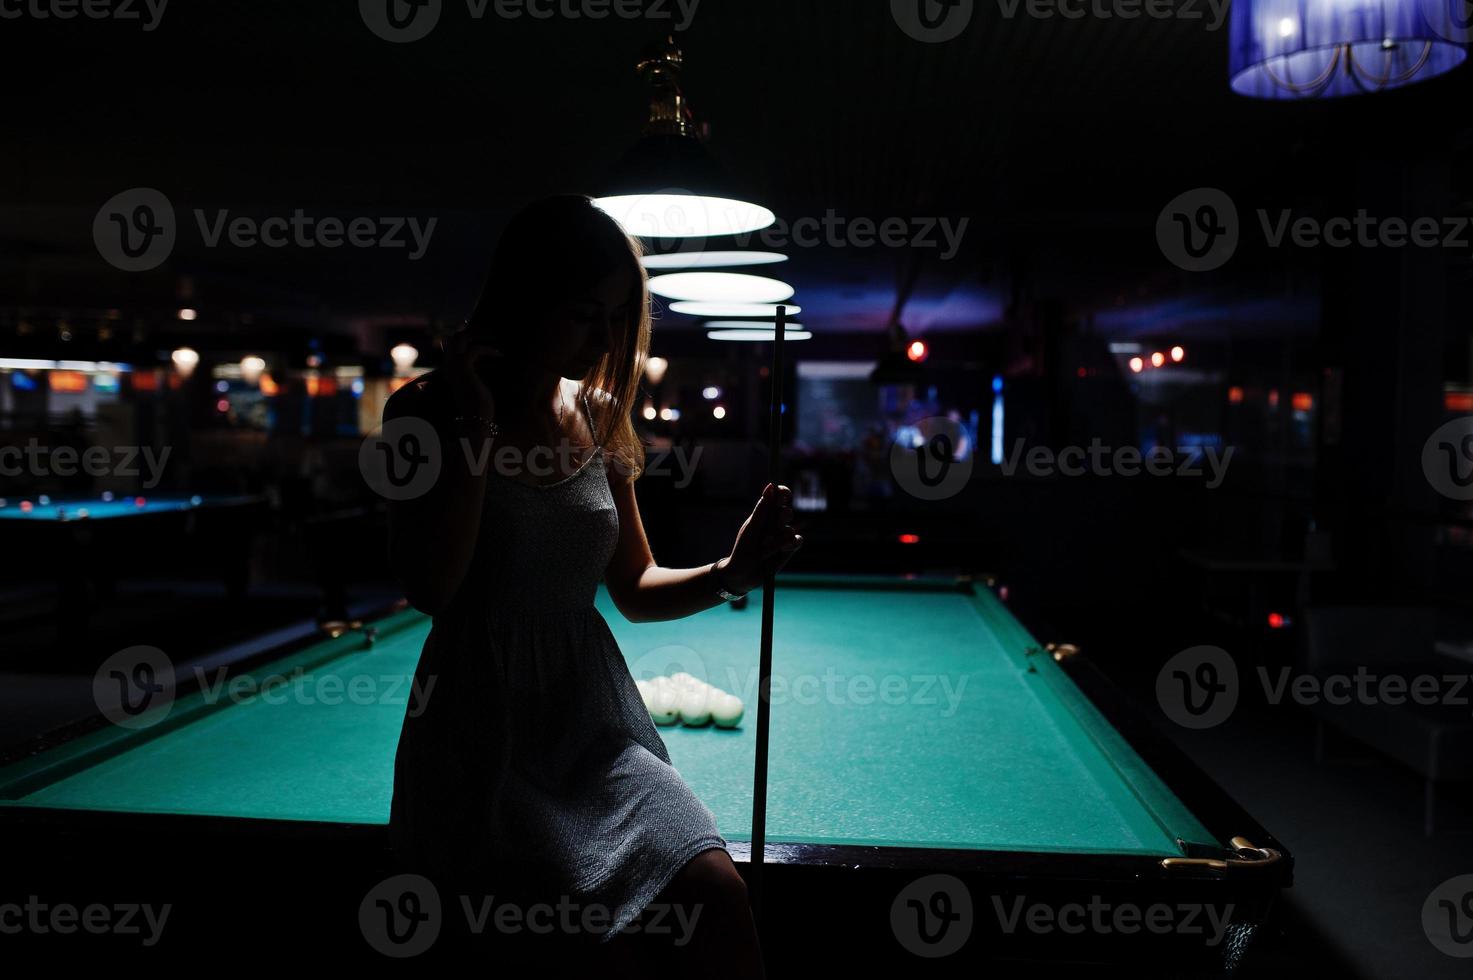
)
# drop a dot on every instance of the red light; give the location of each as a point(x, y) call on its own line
point(1273, 398)
point(1458, 401)
point(1082, 373)
point(1178, 354)
point(917, 351)
point(1277, 621)
point(1235, 395)
point(910, 539)
point(1303, 401)
point(145, 381)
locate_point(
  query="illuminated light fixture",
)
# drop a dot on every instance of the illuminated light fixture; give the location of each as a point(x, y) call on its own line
point(39, 364)
point(1458, 401)
point(1158, 359)
point(1302, 401)
point(1178, 354)
point(1278, 621)
point(655, 369)
point(752, 333)
point(710, 393)
point(668, 185)
point(667, 415)
point(711, 260)
point(72, 382)
point(910, 539)
point(917, 351)
point(269, 387)
point(719, 412)
point(1290, 49)
point(683, 215)
point(1125, 348)
point(1273, 398)
point(185, 359)
point(404, 356)
point(649, 413)
point(720, 287)
point(745, 311)
point(188, 314)
point(1235, 395)
point(1137, 365)
point(251, 368)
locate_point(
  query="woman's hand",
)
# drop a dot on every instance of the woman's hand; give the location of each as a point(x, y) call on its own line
point(465, 362)
point(764, 544)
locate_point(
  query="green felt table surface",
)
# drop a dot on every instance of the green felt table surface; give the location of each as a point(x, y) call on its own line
point(901, 716)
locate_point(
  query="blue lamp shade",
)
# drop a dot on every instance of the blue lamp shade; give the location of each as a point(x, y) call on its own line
point(1304, 49)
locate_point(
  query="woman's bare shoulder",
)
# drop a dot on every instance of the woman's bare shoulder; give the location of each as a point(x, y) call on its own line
point(425, 396)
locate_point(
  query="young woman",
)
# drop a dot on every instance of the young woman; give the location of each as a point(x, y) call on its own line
point(532, 749)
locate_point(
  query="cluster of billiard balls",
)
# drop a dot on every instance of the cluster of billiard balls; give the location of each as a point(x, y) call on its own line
point(690, 701)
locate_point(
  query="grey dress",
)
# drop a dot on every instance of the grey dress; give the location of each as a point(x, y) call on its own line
point(533, 749)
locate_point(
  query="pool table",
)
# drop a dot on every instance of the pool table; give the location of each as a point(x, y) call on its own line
point(917, 729)
point(86, 544)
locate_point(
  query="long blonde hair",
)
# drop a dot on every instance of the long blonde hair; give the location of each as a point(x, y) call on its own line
point(564, 244)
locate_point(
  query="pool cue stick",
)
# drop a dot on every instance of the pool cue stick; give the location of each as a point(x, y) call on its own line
point(769, 590)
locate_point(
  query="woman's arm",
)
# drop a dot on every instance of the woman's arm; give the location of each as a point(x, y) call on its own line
point(432, 538)
point(645, 592)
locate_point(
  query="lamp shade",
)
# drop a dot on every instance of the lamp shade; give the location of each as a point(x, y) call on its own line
point(1297, 49)
point(668, 185)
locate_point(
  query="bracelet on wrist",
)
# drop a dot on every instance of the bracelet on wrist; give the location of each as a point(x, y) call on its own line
point(721, 589)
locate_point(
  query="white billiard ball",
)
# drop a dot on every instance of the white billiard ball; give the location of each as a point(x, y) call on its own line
point(664, 707)
point(727, 710)
point(695, 708)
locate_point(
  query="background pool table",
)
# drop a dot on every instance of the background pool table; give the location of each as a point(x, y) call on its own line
point(87, 545)
point(915, 724)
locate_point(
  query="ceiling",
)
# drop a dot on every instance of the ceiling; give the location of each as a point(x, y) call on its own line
point(1057, 140)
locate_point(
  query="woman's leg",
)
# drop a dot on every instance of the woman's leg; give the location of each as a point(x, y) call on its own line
point(703, 921)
